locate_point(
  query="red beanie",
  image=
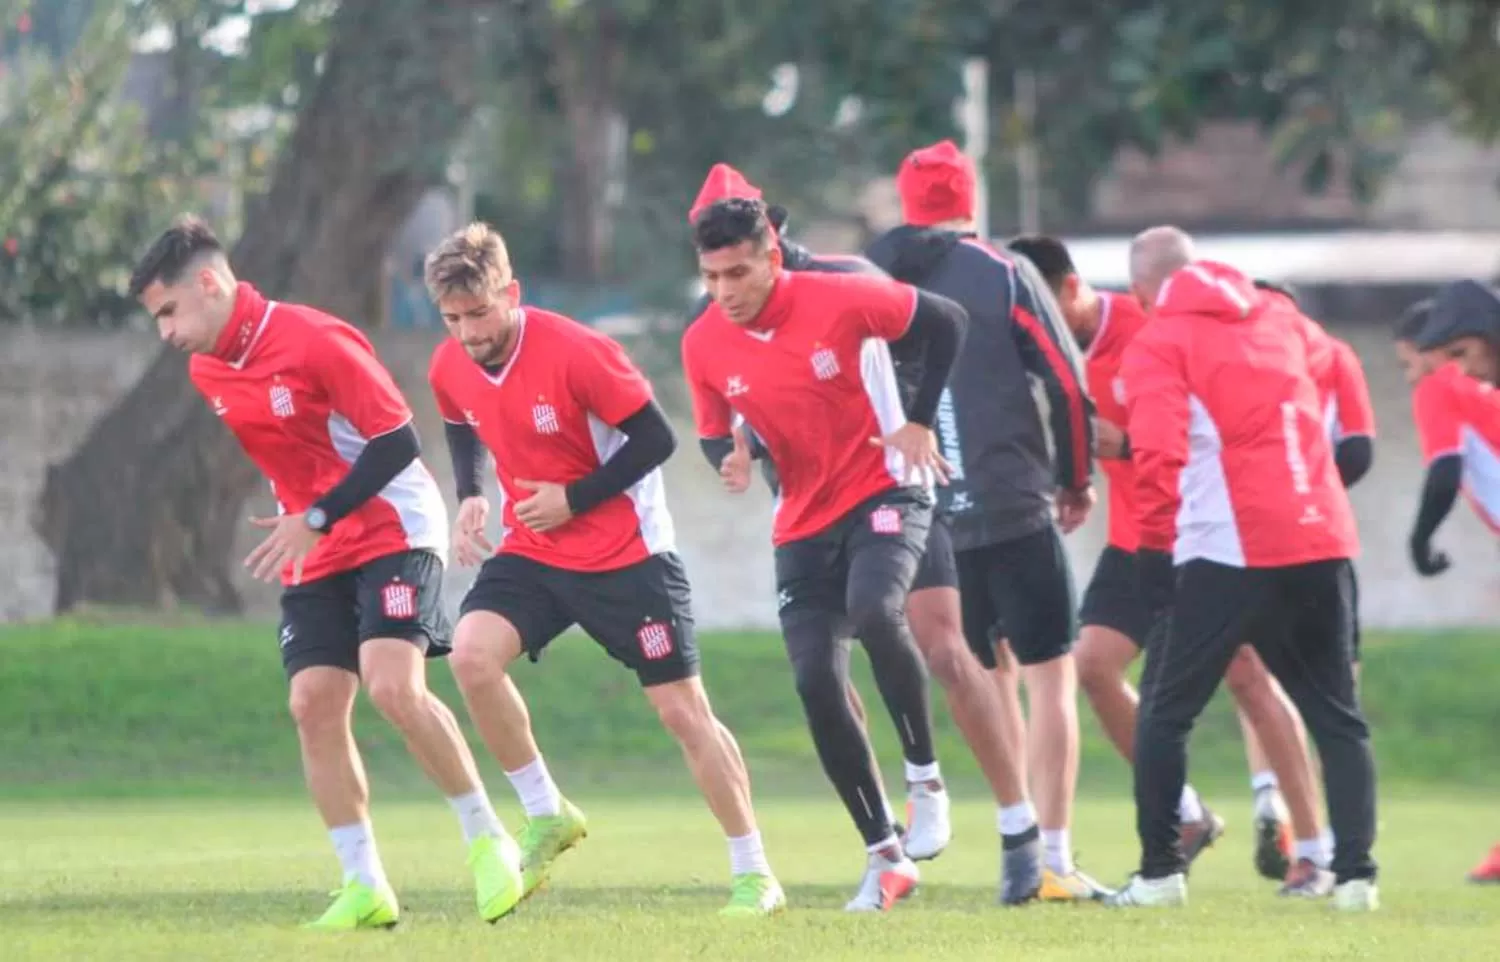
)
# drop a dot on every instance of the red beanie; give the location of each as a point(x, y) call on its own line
point(723, 183)
point(936, 184)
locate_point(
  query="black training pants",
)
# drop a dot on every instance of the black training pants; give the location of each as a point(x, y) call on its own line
point(1300, 619)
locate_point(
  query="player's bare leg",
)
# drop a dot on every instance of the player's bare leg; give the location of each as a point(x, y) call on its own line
point(1021, 871)
point(713, 756)
point(1276, 731)
point(1103, 656)
point(322, 705)
point(484, 647)
point(1052, 748)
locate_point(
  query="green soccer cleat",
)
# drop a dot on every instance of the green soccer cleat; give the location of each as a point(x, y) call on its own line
point(498, 887)
point(544, 838)
point(359, 906)
point(753, 894)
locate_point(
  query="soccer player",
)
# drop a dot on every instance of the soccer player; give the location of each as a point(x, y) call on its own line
point(1236, 485)
point(359, 541)
point(586, 539)
point(1005, 488)
point(1464, 323)
point(932, 608)
point(803, 358)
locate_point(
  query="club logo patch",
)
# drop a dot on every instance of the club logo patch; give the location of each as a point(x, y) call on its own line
point(825, 364)
point(281, 401)
point(655, 639)
point(545, 418)
point(885, 520)
point(399, 600)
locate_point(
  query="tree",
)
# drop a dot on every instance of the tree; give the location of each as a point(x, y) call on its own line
point(146, 510)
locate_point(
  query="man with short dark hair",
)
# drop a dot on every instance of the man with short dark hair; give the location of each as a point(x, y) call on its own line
point(803, 359)
point(359, 542)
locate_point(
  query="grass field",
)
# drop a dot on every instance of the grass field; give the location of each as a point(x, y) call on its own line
point(150, 809)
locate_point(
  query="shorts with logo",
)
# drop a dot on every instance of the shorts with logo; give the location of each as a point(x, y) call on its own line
point(642, 614)
point(1023, 587)
point(1113, 598)
point(939, 568)
point(324, 622)
point(887, 533)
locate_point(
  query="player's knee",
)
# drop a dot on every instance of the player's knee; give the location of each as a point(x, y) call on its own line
point(684, 711)
point(875, 615)
point(319, 703)
point(478, 657)
point(951, 662)
point(1248, 680)
point(819, 685)
point(401, 700)
point(1098, 668)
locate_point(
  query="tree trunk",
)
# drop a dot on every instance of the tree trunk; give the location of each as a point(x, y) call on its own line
point(146, 511)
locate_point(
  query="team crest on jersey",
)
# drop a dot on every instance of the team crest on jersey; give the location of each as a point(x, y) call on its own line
point(655, 639)
point(399, 600)
point(885, 520)
point(544, 416)
point(735, 386)
point(1119, 389)
point(281, 401)
point(825, 364)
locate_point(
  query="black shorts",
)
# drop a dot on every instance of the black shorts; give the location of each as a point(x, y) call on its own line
point(641, 614)
point(812, 574)
point(1113, 598)
point(1025, 585)
point(939, 569)
point(400, 595)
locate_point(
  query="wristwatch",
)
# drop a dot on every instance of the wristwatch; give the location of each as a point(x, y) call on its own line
point(317, 519)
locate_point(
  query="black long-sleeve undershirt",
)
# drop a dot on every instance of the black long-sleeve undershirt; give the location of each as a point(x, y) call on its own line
point(467, 456)
point(378, 464)
point(649, 442)
point(1354, 456)
point(1439, 493)
point(937, 330)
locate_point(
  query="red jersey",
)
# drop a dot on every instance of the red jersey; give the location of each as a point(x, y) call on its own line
point(812, 375)
point(551, 414)
point(1232, 461)
point(1120, 317)
point(303, 392)
point(1348, 411)
point(1456, 414)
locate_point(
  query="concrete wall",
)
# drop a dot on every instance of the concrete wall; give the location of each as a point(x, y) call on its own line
point(52, 386)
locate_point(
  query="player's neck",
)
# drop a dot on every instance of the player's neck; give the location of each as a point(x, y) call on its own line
point(238, 327)
point(511, 340)
point(1092, 312)
point(774, 311)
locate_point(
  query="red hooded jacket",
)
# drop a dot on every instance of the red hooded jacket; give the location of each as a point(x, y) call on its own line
point(1232, 460)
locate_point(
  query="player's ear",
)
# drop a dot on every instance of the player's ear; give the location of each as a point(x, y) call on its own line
point(775, 256)
point(1069, 287)
point(513, 291)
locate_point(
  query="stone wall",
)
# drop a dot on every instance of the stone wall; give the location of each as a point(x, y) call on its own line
point(52, 386)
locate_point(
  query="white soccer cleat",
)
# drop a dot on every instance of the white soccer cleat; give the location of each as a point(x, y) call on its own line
point(1153, 893)
point(929, 822)
point(886, 882)
point(1356, 895)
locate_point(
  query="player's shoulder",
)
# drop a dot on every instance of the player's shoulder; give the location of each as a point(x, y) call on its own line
point(311, 326)
point(1126, 319)
point(842, 264)
point(445, 355)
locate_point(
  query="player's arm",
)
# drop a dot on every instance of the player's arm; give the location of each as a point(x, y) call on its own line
point(1439, 430)
point(1048, 351)
point(615, 391)
point(1355, 451)
point(711, 411)
point(1158, 418)
point(362, 391)
point(932, 325)
point(465, 451)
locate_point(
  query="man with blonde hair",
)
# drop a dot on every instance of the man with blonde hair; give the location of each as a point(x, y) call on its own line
point(586, 540)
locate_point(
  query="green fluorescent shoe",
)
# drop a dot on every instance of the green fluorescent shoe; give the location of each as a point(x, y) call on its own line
point(544, 838)
point(753, 894)
point(496, 864)
point(358, 906)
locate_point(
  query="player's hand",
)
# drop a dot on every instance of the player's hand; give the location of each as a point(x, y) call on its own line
point(471, 547)
point(290, 541)
point(547, 508)
point(1109, 440)
point(919, 448)
point(1429, 563)
point(734, 470)
point(1073, 508)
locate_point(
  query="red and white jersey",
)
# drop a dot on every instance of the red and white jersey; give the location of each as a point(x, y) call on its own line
point(813, 377)
point(550, 414)
point(1232, 461)
point(304, 392)
point(1456, 414)
point(1120, 318)
point(1348, 411)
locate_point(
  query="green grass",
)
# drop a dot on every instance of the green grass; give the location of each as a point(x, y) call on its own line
point(224, 880)
point(130, 707)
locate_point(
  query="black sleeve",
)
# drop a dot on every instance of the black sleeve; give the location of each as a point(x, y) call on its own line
point(377, 465)
point(937, 330)
point(1048, 351)
point(1354, 455)
point(716, 450)
point(1439, 492)
point(468, 459)
point(649, 441)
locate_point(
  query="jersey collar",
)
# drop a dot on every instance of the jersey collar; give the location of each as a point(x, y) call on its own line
point(246, 321)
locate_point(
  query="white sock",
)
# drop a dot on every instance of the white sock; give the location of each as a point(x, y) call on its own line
point(1016, 819)
point(1057, 850)
point(476, 816)
point(922, 773)
point(534, 786)
point(747, 856)
point(883, 846)
point(1268, 804)
point(1261, 781)
point(355, 845)
point(1190, 806)
point(1327, 841)
point(1312, 850)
